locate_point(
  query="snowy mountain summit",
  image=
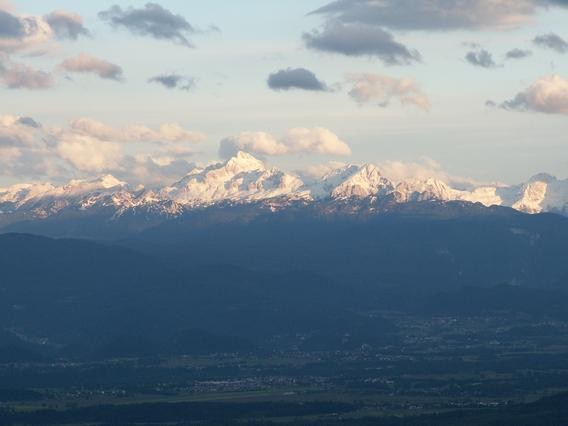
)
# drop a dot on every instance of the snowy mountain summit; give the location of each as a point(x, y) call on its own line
point(244, 179)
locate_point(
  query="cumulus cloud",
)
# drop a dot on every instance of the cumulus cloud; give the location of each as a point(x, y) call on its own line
point(19, 33)
point(296, 78)
point(174, 81)
point(87, 64)
point(481, 58)
point(25, 150)
point(33, 36)
point(298, 140)
point(89, 154)
point(15, 132)
point(20, 76)
point(548, 95)
point(151, 20)
point(172, 144)
point(254, 142)
point(356, 39)
point(551, 41)
point(36, 34)
point(58, 151)
point(382, 90)
point(66, 25)
point(518, 54)
point(426, 168)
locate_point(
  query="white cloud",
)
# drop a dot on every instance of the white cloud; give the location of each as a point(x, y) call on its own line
point(380, 89)
point(254, 142)
point(423, 169)
point(548, 95)
point(90, 145)
point(170, 132)
point(14, 133)
point(23, 32)
point(400, 170)
point(89, 154)
point(297, 140)
point(33, 36)
point(317, 141)
point(36, 34)
point(25, 150)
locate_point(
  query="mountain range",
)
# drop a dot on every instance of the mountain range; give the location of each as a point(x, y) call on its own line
point(237, 241)
point(245, 180)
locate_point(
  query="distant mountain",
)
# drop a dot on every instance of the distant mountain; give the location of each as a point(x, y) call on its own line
point(106, 205)
point(112, 301)
point(241, 179)
point(308, 285)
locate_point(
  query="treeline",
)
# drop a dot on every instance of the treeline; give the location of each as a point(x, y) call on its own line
point(551, 411)
point(171, 413)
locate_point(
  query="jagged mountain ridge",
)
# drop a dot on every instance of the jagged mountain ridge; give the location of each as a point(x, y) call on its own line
point(245, 179)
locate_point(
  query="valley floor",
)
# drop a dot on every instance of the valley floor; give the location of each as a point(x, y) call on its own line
point(448, 366)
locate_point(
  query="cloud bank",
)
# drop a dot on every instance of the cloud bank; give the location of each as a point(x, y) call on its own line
point(86, 147)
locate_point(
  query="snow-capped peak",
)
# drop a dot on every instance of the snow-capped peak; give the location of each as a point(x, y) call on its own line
point(102, 182)
point(21, 193)
point(243, 162)
point(543, 177)
point(423, 190)
point(46, 199)
point(241, 178)
point(365, 181)
point(245, 179)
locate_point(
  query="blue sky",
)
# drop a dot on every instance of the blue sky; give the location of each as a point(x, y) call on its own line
point(260, 37)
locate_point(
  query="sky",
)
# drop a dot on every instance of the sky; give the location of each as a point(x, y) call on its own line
point(474, 89)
